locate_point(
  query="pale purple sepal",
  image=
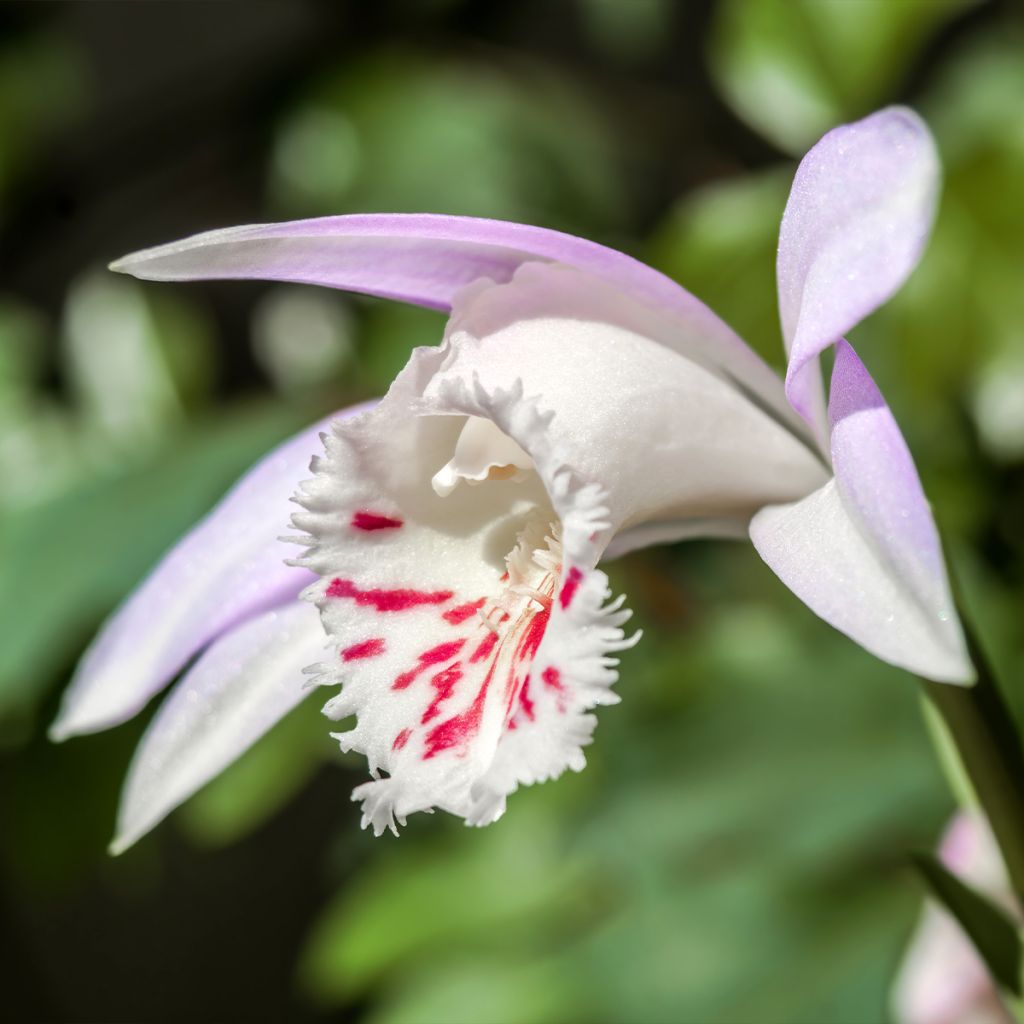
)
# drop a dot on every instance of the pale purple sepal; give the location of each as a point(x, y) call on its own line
point(241, 686)
point(426, 259)
point(863, 551)
point(229, 567)
point(856, 222)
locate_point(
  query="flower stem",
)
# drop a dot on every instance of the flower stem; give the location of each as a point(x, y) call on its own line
point(986, 738)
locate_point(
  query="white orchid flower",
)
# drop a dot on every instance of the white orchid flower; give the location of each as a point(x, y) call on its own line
point(581, 405)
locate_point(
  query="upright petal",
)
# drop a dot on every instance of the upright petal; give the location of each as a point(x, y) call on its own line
point(649, 415)
point(426, 259)
point(243, 684)
point(863, 551)
point(857, 220)
point(229, 567)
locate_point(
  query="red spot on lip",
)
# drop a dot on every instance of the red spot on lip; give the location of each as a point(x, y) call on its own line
point(533, 635)
point(553, 678)
point(371, 521)
point(569, 588)
point(461, 728)
point(484, 647)
point(458, 730)
point(436, 655)
point(444, 683)
point(456, 616)
point(401, 739)
point(366, 649)
point(524, 699)
point(399, 600)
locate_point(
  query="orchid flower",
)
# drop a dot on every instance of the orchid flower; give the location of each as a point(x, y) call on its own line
point(943, 980)
point(579, 406)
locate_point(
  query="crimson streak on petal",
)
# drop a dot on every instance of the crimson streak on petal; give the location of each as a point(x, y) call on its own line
point(524, 699)
point(463, 727)
point(456, 616)
point(370, 521)
point(399, 600)
point(435, 656)
point(444, 683)
point(485, 647)
point(365, 649)
point(569, 588)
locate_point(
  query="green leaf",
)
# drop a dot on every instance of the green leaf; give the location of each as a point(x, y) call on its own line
point(993, 934)
point(451, 895)
point(478, 988)
point(795, 68)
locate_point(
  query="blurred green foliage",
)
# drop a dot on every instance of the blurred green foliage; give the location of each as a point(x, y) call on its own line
point(44, 87)
point(735, 849)
point(795, 68)
point(407, 132)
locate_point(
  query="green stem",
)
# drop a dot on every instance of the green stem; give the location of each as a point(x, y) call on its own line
point(986, 738)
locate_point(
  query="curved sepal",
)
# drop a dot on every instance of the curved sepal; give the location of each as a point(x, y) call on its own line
point(227, 568)
point(243, 685)
point(863, 551)
point(426, 259)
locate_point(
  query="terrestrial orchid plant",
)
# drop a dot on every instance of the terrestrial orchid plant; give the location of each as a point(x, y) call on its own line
point(580, 405)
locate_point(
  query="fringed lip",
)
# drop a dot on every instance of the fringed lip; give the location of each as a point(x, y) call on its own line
point(469, 673)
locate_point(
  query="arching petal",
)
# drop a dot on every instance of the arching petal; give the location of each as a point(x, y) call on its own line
point(655, 422)
point(243, 684)
point(426, 259)
point(863, 551)
point(229, 567)
point(857, 220)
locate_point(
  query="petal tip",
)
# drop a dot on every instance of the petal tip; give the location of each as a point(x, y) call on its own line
point(961, 672)
point(60, 729)
point(70, 723)
point(120, 844)
point(131, 264)
point(58, 732)
point(82, 718)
